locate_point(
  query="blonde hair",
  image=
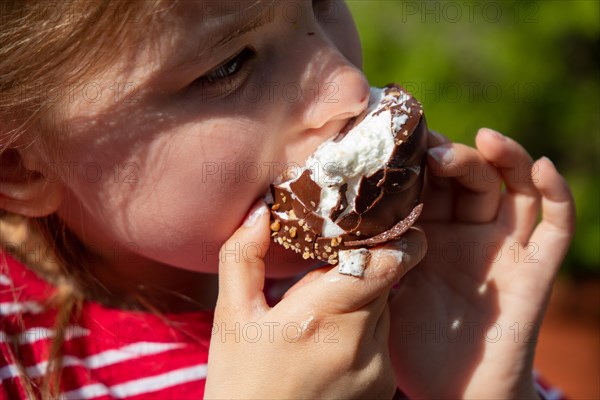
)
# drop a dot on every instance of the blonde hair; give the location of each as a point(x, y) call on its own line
point(42, 45)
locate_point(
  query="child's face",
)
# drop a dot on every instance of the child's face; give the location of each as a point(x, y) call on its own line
point(170, 171)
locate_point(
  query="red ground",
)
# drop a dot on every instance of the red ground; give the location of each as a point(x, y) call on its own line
point(568, 352)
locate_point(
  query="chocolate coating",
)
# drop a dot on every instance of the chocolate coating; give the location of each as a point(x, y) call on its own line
point(386, 202)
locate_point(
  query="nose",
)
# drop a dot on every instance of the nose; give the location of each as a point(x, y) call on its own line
point(341, 94)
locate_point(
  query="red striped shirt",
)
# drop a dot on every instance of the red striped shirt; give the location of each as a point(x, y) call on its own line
point(108, 353)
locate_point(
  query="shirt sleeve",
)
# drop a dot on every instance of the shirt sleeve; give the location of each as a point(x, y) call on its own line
point(546, 391)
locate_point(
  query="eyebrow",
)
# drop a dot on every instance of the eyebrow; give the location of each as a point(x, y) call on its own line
point(262, 19)
point(239, 26)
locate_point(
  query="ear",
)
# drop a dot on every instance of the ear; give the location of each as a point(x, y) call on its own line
point(25, 189)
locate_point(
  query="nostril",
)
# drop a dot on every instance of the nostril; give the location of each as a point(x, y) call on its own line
point(366, 93)
point(346, 115)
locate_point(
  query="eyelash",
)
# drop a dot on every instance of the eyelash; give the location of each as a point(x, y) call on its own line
point(229, 68)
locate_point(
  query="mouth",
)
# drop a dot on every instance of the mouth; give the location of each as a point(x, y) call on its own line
point(358, 189)
point(344, 131)
point(352, 122)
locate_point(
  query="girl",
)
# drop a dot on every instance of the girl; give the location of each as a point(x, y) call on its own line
point(127, 132)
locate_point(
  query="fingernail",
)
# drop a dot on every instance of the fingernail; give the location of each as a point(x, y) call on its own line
point(439, 138)
point(442, 154)
point(494, 133)
point(257, 211)
point(544, 158)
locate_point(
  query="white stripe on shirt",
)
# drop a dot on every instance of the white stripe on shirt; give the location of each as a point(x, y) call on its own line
point(545, 394)
point(31, 307)
point(140, 386)
point(102, 359)
point(114, 356)
point(86, 392)
point(5, 280)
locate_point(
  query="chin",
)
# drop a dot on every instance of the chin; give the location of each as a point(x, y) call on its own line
point(280, 263)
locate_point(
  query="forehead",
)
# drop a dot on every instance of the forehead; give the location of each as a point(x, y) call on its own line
point(211, 9)
point(217, 21)
point(185, 35)
point(196, 33)
point(188, 29)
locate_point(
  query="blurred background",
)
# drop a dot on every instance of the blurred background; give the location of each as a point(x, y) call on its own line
point(530, 70)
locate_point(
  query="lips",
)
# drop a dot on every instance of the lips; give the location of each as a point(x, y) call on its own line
point(352, 122)
point(345, 129)
point(359, 189)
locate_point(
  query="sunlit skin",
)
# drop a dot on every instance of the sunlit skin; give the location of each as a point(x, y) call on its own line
point(499, 278)
point(167, 196)
point(173, 190)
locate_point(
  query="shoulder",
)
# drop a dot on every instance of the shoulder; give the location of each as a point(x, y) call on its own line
point(24, 320)
point(104, 351)
point(21, 290)
point(23, 301)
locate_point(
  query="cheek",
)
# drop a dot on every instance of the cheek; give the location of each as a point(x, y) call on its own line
point(204, 189)
point(176, 199)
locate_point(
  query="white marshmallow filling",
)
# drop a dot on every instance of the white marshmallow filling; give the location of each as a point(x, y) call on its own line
point(363, 151)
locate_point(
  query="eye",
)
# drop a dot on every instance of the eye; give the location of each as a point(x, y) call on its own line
point(229, 68)
point(225, 78)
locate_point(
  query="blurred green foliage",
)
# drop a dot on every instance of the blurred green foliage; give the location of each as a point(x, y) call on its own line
point(527, 69)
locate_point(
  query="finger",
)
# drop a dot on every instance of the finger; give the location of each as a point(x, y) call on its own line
point(377, 322)
point(309, 277)
point(435, 138)
point(520, 204)
point(382, 328)
point(241, 266)
point(553, 234)
point(437, 188)
point(477, 193)
point(335, 293)
point(437, 197)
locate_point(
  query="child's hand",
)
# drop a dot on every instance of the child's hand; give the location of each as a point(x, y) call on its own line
point(465, 322)
point(327, 338)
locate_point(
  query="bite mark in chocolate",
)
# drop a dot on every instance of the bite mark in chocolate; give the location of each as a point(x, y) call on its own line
point(341, 204)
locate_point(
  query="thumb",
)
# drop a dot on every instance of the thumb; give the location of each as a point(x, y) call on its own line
point(241, 265)
point(406, 252)
point(387, 264)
